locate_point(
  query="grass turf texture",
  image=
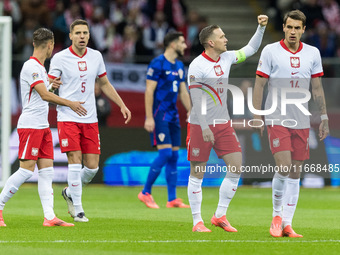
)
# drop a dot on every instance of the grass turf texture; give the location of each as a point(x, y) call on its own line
point(121, 224)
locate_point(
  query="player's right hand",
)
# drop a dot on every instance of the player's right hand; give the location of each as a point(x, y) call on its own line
point(208, 135)
point(256, 124)
point(77, 107)
point(149, 124)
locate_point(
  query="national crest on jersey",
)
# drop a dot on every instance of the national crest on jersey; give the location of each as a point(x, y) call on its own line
point(218, 70)
point(82, 66)
point(168, 76)
point(295, 62)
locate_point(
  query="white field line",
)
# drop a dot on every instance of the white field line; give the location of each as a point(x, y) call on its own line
point(170, 241)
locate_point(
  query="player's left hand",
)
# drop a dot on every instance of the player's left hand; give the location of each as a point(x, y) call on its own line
point(126, 113)
point(323, 129)
point(262, 20)
point(56, 83)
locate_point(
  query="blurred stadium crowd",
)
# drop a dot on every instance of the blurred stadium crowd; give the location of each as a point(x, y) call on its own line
point(133, 30)
point(124, 31)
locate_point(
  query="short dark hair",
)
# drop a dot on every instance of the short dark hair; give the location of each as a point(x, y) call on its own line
point(41, 36)
point(170, 37)
point(206, 33)
point(296, 15)
point(78, 22)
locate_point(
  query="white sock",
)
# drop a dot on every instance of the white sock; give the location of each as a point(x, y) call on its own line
point(12, 185)
point(75, 186)
point(227, 191)
point(290, 200)
point(278, 189)
point(45, 190)
point(195, 198)
point(87, 174)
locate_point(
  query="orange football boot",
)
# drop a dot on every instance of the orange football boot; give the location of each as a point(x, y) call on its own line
point(56, 222)
point(222, 223)
point(276, 227)
point(289, 232)
point(147, 199)
point(178, 202)
point(199, 227)
point(2, 223)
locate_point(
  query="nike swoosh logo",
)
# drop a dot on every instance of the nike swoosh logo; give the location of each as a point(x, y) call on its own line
point(11, 192)
point(234, 189)
point(293, 73)
point(81, 76)
point(196, 192)
point(277, 195)
point(290, 204)
point(73, 185)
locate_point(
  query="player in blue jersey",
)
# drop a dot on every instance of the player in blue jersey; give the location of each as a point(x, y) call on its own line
point(164, 82)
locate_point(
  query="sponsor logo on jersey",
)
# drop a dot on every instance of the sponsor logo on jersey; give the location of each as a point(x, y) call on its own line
point(64, 142)
point(149, 72)
point(35, 76)
point(180, 73)
point(82, 66)
point(218, 70)
point(293, 73)
point(260, 64)
point(295, 62)
point(191, 78)
point(195, 152)
point(276, 142)
point(161, 136)
point(35, 151)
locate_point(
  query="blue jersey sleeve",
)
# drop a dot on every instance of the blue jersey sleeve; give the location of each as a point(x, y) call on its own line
point(154, 70)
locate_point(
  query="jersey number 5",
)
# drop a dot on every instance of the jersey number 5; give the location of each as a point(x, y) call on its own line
point(83, 86)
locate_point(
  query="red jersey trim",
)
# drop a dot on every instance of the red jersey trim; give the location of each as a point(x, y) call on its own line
point(195, 86)
point(51, 77)
point(35, 83)
point(73, 52)
point(262, 74)
point(101, 75)
point(209, 58)
point(317, 75)
point(32, 86)
point(286, 48)
point(36, 60)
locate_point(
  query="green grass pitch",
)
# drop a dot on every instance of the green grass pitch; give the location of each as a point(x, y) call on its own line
point(120, 224)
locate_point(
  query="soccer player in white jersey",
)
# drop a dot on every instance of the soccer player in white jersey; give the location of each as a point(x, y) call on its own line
point(208, 74)
point(289, 65)
point(79, 66)
point(35, 138)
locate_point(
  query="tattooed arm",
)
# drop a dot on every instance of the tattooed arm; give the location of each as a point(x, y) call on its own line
point(319, 98)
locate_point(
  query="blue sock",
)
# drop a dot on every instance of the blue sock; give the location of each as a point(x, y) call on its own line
point(156, 167)
point(171, 175)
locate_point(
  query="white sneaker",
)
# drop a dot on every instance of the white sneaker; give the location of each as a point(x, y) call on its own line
point(81, 217)
point(69, 202)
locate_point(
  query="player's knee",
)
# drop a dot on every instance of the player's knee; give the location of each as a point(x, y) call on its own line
point(165, 154)
point(174, 156)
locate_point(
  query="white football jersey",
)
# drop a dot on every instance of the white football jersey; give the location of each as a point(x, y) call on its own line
point(34, 109)
point(288, 70)
point(210, 76)
point(78, 75)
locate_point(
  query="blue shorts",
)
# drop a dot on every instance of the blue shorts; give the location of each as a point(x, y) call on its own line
point(166, 133)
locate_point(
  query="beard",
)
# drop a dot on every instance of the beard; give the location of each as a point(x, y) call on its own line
point(179, 53)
